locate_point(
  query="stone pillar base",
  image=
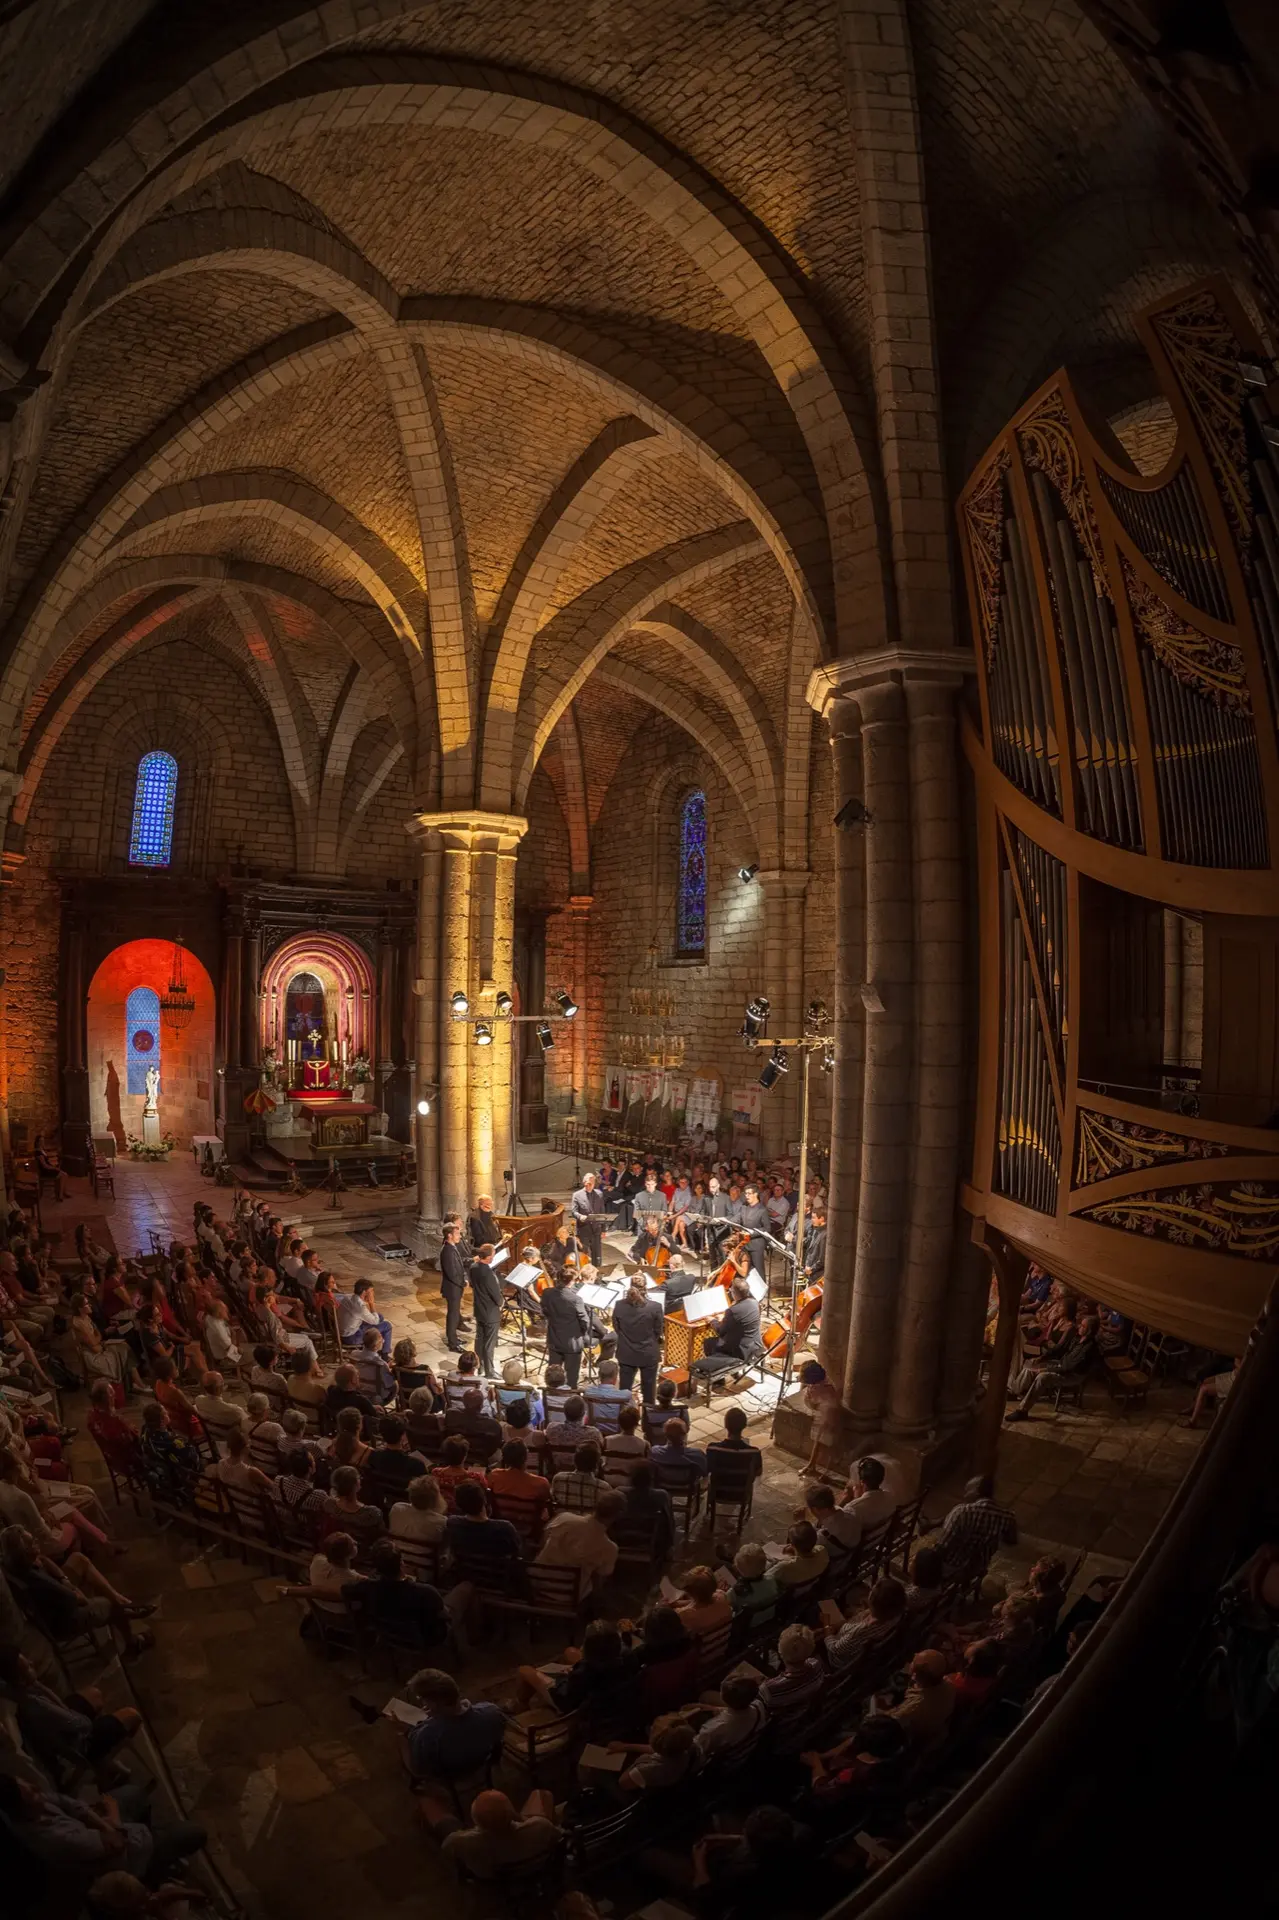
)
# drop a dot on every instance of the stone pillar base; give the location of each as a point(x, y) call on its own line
point(150, 1129)
point(922, 1463)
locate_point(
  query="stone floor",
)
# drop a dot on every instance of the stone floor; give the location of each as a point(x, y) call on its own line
point(259, 1729)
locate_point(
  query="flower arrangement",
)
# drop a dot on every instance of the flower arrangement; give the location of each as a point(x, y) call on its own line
point(359, 1068)
point(141, 1150)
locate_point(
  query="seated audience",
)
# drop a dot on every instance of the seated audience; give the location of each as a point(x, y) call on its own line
point(582, 1539)
point(498, 1836)
point(345, 1512)
point(577, 1488)
point(734, 1448)
point(344, 1391)
point(419, 1519)
point(860, 1637)
point(804, 1559)
point(452, 1470)
point(514, 1480)
point(974, 1528)
point(69, 1836)
point(474, 1422)
point(675, 1456)
point(392, 1464)
point(924, 1714)
point(220, 1417)
point(706, 1607)
point(375, 1378)
point(647, 1509)
point(349, 1448)
point(737, 1725)
point(470, 1535)
point(754, 1592)
point(456, 1738)
point(866, 1496)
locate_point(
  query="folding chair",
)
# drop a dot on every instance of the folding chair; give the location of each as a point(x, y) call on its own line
point(602, 1411)
point(421, 1558)
point(552, 1593)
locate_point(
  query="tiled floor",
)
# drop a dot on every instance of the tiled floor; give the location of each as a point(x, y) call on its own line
point(289, 1779)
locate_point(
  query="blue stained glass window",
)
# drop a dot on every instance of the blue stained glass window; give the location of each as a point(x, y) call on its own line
point(151, 840)
point(141, 1037)
point(692, 873)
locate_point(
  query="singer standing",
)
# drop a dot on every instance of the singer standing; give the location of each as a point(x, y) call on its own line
point(486, 1292)
point(587, 1205)
point(452, 1284)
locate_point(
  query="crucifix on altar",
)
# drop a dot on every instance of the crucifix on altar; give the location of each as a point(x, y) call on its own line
point(316, 1071)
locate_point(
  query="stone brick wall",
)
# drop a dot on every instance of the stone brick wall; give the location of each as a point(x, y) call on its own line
point(233, 807)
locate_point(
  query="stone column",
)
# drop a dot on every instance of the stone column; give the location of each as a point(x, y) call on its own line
point(76, 1130)
point(9, 864)
point(888, 1345)
point(934, 1163)
point(232, 977)
point(579, 907)
point(782, 978)
point(476, 892)
point(250, 990)
point(427, 1030)
point(850, 1016)
point(501, 969)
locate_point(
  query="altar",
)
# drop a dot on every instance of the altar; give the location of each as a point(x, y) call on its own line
point(335, 1122)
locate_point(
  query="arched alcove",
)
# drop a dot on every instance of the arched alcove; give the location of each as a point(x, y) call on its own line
point(123, 1026)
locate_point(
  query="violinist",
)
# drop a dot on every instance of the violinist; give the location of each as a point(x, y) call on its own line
point(736, 1342)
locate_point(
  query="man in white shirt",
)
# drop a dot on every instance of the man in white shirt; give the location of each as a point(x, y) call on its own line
point(218, 1344)
point(867, 1496)
point(357, 1310)
point(738, 1723)
point(581, 1539)
point(291, 1264)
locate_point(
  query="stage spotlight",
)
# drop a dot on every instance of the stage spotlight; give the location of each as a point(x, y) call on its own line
point(566, 1004)
point(424, 1107)
point(756, 1015)
point(460, 1006)
point(545, 1038)
point(852, 815)
point(828, 1059)
point(505, 1006)
point(483, 1034)
point(746, 874)
point(776, 1065)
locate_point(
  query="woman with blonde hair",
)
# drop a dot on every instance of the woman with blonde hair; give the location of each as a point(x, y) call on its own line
point(348, 1449)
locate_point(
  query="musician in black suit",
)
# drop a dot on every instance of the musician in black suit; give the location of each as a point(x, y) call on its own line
point(567, 1324)
point(486, 1292)
point(650, 1239)
point(737, 1339)
point(587, 1205)
point(814, 1260)
point(452, 1284)
point(639, 1326)
point(482, 1225)
point(757, 1217)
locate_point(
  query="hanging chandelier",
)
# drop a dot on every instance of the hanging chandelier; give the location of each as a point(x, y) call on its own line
point(177, 1002)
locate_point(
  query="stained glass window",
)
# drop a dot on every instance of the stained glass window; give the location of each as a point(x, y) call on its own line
point(141, 1037)
point(151, 840)
point(692, 873)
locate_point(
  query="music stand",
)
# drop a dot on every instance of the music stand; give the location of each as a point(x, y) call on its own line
point(522, 1276)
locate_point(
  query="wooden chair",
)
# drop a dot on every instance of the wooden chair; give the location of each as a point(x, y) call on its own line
point(593, 1844)
point(601, 1411)
point(532, 1746)
point(421, 1558)
point(102, 1175)
point(636, 1541)
point(552, 1593)
point(904, 1525)
point(713, 1654)
point(528, 1517)
point(685, 1489)
point(254, 1518)
point(731, 1485)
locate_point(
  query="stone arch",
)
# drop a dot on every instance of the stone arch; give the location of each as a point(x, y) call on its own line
point(585, 630)
point(738, 258)
point(297, 507)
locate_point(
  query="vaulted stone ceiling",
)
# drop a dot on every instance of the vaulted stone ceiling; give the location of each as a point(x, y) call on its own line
point(455, 354)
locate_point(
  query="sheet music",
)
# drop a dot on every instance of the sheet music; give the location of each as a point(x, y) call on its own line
point(503, 1253)
point(701, 1306)
point(604, 1299)
point(659, 1294)
point(522, 1276)
point(758, 1289)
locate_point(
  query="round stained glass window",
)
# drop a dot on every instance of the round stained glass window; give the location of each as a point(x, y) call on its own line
point(143, 1041)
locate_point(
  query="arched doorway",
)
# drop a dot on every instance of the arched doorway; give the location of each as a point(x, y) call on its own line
point(126, 1035)
point(316, 1008)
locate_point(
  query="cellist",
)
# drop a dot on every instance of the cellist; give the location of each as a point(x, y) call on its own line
point(652, 1244)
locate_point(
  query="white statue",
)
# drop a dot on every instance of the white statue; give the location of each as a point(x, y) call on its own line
point(153, 1089)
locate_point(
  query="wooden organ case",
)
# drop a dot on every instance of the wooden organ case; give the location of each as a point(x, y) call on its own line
point(1127, 772)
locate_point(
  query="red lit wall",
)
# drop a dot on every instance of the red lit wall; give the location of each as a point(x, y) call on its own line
point(186, 1059)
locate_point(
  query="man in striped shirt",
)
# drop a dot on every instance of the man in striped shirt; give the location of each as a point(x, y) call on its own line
point(972, 1530)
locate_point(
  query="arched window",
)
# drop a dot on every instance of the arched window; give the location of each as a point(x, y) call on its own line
point(692, 874)
point(141, 1037)
point(151, 841)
